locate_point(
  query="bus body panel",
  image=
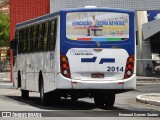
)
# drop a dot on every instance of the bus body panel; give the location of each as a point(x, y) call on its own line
point(65, 83)
point(83, 65)
point(105, 61)
point(30, 64)
point(130, 83)
point(110, 60)
point(66, 43)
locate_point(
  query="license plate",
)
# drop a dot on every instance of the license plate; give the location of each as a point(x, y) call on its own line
point(97, 75)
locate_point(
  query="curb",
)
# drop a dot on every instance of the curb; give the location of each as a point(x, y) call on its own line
point(6, 85)
point(141, 82)
point(144, 99)
point(148, 80)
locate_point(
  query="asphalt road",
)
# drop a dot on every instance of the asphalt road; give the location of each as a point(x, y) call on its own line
point(10, 100)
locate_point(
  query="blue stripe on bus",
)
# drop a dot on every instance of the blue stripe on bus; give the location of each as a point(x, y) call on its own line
point(106, 60)
point(88, 59)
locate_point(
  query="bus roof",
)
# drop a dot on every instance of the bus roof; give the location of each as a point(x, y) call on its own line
point(96, 8)
point(38, 19)
point(51, 15)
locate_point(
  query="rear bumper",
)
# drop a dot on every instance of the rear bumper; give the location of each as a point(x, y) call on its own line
point(65, 83)
point(130, 83)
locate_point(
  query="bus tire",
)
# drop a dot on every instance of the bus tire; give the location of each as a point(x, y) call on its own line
point(43, 96)
point(102, 100)
point(74, 98)
point(19, 80)
point(54, 98)
point(24, 94)
point(99, 99)
point(110, 99)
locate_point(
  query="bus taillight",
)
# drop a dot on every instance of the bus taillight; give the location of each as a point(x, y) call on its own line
point(64, 64)
point(129, 67)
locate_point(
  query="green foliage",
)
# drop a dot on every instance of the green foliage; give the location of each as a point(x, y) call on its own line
point(4, 29)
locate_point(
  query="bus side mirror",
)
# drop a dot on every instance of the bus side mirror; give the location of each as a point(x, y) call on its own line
point(13, 44)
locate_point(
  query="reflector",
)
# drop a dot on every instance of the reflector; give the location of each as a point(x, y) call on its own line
point(63, 59)
point(131, 59)
point(64, 66)
point(65, 72)
point(129, 66)
point(128, 72)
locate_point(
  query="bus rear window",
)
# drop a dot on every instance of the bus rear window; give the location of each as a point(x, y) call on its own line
point(97, 26)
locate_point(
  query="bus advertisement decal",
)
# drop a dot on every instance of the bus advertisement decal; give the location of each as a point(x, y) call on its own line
point(107, 60)
point(88, 59)
point(81, 52)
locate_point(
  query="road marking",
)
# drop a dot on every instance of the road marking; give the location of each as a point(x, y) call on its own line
point(10, 93)
point(2, 73)
point(5, 79)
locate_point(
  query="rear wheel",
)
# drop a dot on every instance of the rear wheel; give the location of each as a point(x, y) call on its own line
point(74, 98)
point(99, 99)
point(102, 100)
point(43, 96)
point(19, 80)
point(110, 100)
point(55, 98)
point(25, 94)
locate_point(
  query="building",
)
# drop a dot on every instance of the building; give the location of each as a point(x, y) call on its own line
point(4, 6)
point(22, 10)
point(147, 33)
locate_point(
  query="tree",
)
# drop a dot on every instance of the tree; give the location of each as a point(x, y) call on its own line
point(4, 29)
point(4, 3)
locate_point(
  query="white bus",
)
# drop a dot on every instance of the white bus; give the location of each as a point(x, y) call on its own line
point(77, 53)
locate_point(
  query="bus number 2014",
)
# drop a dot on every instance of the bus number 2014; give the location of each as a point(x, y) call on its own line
point(115, 69)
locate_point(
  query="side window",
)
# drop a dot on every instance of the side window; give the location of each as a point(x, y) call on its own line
point(34, 32)
point(20, 42)
point(24, 41)
point(16, 34)
point(34, 37)
point(28, 38)
point(53, 34)
point(49, 35)
point(37, 37)
point(31, 39)
point(45, 47)
point(40, 37)
point(17, 39)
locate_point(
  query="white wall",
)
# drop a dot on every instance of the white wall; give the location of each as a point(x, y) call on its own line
point(56, 5)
